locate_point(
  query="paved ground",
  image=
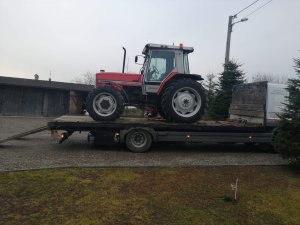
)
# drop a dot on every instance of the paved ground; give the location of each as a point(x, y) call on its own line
point(12, 125)
point(43, 151)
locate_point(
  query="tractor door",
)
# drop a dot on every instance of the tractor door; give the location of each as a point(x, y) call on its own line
point(160, 64)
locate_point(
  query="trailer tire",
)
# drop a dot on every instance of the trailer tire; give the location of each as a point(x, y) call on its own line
point(105, 103)
point(183, 101)
point(138, 140)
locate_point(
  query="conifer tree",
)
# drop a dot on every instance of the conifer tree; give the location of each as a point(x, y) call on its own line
point(210, 86)
point(287, 139)
point(232, 75)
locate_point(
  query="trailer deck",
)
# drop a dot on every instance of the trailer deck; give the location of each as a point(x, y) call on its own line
point(86, 123)
point(135, 130)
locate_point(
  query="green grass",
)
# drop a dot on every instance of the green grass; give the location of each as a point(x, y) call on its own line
point(267, 195)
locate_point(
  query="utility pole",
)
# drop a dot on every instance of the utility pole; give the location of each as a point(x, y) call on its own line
point(229, 31)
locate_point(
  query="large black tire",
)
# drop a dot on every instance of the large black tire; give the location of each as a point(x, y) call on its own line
point(160, 109)
point(183, 101)
point(105, 104)
point(138, 140)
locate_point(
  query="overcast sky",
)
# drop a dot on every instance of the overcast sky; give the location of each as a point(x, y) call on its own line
point(70, 37)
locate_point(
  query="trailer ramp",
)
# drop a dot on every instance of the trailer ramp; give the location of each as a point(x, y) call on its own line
point(23, 134)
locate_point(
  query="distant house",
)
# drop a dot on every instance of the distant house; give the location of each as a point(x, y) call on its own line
point(28, 97)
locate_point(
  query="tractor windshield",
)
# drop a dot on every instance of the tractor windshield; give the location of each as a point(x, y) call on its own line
point(161, 64)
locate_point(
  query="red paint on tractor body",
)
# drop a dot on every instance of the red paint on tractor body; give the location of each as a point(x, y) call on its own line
point(127, 79)
point(165, 81)
point(172, 76)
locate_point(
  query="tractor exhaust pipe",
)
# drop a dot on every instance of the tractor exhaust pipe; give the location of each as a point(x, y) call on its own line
point(124, 59)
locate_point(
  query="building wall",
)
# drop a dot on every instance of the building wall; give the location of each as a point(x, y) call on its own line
point(77, 102)
point(28, 101)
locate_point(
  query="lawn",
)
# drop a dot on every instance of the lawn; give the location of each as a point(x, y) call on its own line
point(266, 195)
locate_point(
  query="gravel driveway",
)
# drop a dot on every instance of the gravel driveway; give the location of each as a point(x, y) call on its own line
point(43, 151)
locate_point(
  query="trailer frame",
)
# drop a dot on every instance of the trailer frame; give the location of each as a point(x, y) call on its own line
point(135, 132)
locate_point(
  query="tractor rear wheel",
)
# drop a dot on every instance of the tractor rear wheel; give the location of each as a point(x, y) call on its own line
point(105, 104)
point(160, 109)
point(183, 101)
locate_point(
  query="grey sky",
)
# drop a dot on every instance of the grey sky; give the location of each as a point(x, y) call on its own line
point(70, 37)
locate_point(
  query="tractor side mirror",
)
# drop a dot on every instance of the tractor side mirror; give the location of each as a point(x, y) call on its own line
point(136, 59)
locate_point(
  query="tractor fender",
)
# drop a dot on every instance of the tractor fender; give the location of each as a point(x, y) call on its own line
point(175, 76)
point(118, 87)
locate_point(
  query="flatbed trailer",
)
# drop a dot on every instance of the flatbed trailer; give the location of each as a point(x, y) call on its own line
point(139, 133)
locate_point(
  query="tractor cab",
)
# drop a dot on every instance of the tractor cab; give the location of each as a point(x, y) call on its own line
point(160, 61)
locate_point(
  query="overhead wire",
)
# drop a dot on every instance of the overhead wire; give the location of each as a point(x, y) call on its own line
point(258, 8)
point(246, 8)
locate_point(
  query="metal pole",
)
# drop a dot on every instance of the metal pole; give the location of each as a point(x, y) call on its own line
point(124, 58)
point(228, 39)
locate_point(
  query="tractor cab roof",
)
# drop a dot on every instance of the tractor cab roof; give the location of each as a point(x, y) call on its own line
point(167, 47)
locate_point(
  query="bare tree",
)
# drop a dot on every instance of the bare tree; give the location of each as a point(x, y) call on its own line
point(86, 78)
point(270, 78)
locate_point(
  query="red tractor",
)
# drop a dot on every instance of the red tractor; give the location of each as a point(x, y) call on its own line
point(164, 83)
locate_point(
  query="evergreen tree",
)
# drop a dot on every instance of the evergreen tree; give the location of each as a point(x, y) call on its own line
point(232, 75)
point(210, 85)
point(287, 139)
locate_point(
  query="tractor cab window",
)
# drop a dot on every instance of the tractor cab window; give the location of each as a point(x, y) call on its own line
point(160, 65)
point(186, 64)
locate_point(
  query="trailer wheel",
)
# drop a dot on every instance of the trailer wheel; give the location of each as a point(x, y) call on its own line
point(105, 103)
point(138, 141)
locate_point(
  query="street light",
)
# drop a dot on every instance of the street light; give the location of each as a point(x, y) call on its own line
point(230, 25)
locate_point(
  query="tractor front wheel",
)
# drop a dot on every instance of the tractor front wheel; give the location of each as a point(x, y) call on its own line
point(105, 104)
point(184, 101)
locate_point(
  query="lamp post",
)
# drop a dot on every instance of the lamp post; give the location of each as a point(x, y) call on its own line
point(229, 31)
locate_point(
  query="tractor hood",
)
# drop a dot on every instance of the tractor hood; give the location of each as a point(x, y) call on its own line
point(118, 77)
